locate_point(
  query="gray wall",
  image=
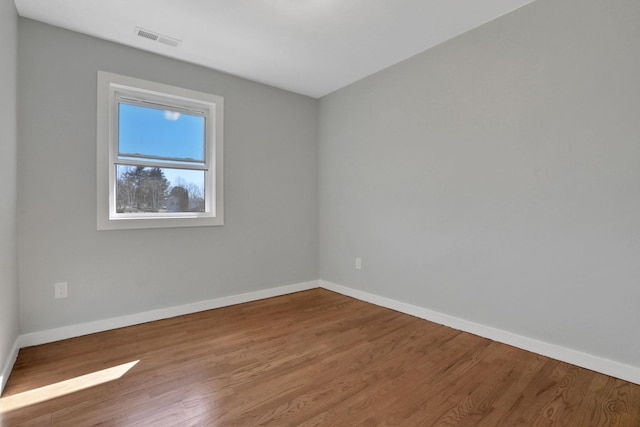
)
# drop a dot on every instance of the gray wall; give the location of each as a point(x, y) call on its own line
point(271, 215)
point(496, 177)
point(8, 204)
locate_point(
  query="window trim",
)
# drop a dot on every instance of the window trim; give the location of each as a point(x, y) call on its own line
point(110, 87)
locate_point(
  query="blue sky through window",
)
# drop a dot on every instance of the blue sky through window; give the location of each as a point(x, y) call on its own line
point(161, 133)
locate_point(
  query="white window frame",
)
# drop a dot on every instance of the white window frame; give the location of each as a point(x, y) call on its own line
point(110, 88)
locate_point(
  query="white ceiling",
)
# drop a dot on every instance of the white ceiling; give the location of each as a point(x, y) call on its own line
point(311, 47)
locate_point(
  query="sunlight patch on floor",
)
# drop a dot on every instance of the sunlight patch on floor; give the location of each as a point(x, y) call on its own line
point(62, 388)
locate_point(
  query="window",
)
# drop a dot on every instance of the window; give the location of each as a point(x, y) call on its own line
point(159, 155)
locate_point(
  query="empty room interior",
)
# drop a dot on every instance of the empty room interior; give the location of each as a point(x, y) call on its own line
point(320, 212)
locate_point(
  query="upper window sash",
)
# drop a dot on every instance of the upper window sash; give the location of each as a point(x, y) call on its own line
point(160, 121)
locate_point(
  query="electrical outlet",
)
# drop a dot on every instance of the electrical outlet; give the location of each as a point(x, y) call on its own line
point(358, 263)
point(60, 290)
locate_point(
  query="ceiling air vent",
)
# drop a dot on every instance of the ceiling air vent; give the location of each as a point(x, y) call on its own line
point(141, 32)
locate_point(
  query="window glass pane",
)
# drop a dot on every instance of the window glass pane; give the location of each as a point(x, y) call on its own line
point(157, 133)
point(142, 190)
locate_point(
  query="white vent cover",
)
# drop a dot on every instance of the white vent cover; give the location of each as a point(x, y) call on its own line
point(151, 35)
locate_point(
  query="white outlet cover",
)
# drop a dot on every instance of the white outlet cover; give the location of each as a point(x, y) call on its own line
point(60, 290)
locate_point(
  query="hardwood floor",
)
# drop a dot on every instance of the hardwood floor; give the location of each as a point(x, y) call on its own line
point(305, 359)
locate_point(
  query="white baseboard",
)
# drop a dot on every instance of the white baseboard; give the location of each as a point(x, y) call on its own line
point(595, 363)
point(43, 337)
point(8, 366)
point(574, 357)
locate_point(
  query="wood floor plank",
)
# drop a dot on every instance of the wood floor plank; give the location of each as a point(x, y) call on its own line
point(313, 358)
